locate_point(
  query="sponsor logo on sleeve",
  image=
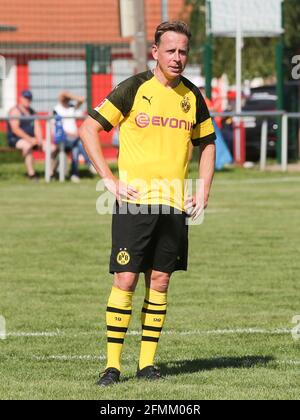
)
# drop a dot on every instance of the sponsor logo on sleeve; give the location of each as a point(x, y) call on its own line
point(98, 107)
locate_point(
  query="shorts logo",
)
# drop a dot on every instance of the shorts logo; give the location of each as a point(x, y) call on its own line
point(123, 257)
point(142, 120)
point(185, 104)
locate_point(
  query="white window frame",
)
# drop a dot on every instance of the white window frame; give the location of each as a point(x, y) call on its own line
point(2, 78)
point(8, 85)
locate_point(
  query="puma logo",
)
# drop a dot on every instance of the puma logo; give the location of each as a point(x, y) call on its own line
point(147, 99)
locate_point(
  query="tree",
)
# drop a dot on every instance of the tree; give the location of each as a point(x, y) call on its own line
point(292, 24)
point(258, 53)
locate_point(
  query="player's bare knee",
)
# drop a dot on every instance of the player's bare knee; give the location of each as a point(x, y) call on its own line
point(162, 288)
point(125, 281)
point(160, 282)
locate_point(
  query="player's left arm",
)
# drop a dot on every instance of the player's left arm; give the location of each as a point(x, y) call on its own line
point(206, 141)
point(194, 205)
point(203, 136)
point(207, 157)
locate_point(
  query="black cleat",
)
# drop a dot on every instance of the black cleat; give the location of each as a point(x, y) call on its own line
point(33, 177)
point(110, 377)
point(149, 372)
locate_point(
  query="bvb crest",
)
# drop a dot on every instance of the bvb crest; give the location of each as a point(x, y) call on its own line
point(185, 104)
point(123, 257)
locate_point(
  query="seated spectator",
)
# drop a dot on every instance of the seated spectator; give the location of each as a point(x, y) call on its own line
point(26, 135)
point(68, 106)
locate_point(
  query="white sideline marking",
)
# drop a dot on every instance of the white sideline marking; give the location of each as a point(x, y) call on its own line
point(288, 362)
point(236, 331)
point(222, 332)
point(71, 357)
point(171, 332)
point(88, 357)
point(67, 358)
point(34, 334)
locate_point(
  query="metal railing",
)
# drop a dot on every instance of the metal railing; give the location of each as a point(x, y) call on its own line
point(50, 120)
point(285, 116)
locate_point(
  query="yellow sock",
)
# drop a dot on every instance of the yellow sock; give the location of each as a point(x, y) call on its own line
point(153, 317)
point(118, 314)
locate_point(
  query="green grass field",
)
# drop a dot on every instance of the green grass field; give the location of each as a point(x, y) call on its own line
point(3, 140)
point(228, 329)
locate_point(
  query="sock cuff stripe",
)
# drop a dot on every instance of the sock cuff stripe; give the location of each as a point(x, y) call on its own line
point(115, 340)
point(118, 291)
point(153, 339)
point(150, 311)
point(154, 304)
point(149, 328)
point(119, 311)
point(116, 329)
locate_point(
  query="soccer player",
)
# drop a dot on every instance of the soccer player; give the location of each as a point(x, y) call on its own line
point(159, 112)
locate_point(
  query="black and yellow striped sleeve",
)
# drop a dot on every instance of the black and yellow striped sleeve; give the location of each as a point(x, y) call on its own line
point(203, 130)
point(107, 115)
point(118, 103)
point(114, 107)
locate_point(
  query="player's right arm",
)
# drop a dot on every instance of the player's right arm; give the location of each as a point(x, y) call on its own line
point(89, 134)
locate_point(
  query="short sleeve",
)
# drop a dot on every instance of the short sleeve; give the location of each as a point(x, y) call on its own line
point(203, 130)
point(115, 107)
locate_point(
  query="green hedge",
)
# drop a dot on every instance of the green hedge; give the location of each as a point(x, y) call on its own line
point(8, 155)
point(3, 140)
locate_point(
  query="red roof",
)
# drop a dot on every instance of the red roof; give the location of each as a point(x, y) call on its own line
point(72, 21)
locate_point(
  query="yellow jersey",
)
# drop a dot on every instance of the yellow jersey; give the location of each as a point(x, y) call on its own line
point(157, 124)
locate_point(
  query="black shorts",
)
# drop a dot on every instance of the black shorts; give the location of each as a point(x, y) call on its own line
point(12, 141)
point(142, 240)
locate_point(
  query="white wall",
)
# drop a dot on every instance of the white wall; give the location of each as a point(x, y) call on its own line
point(9, 87)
